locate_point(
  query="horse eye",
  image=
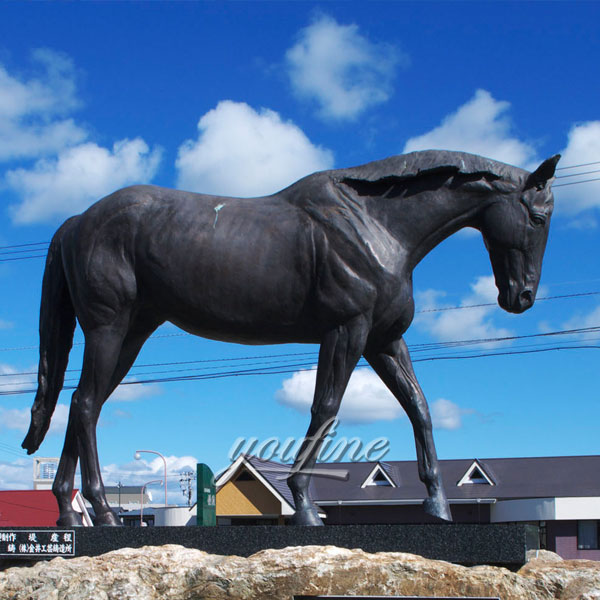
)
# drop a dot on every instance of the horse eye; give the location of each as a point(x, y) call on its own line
point(538, 220)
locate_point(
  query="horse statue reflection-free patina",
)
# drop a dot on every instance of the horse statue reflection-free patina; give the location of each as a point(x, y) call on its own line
point(328, 260)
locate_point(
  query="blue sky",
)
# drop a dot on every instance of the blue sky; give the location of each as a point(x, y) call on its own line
point(245, 98)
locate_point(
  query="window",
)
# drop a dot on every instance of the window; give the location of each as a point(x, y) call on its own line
point(477, 477)
point(587, 535)
point(380, 479)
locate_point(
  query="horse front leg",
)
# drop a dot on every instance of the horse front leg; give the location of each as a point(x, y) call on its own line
point(62, 487)
point(340, 350)
point(393, 365)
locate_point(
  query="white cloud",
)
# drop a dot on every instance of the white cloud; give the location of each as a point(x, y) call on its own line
point(15, 418)
point(447, 415)
point(340, 69)
point(583, 147)
point(366, 400)
point(28, 107)
point(243, 152)
point(480, 126)
point(79, 176)
point(585, 321)
point(453, 325)
point(18, 419)
point(69, 174)
point(140, 472)
point(16, 475)
point(132, 392)
point(9, 378)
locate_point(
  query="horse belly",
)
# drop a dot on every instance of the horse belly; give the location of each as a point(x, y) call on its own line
point(250, 284)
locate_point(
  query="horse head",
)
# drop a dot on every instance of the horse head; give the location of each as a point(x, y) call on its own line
point(515, 231)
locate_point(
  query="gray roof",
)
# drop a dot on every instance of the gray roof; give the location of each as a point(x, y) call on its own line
point(125, 489)
point(543, 477)
point(276, 474)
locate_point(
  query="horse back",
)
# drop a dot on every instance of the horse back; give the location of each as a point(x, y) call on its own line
point(219, 267)
point(257, 270)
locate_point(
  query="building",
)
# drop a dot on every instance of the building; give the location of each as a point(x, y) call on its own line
point(127, 497)
point(160, 516)
point(44, 470)
point(36, 508)
point(561, 495)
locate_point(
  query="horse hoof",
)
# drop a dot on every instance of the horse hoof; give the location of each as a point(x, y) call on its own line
point(437, 508)
point(108, 519)
point(306, 518)
point(70, 519)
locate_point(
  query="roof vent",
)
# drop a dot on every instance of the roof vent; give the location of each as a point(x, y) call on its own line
point(475, 475)
point(378, 477)
point(245, 476)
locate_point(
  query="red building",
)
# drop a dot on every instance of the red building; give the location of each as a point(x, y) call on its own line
point(36, 508)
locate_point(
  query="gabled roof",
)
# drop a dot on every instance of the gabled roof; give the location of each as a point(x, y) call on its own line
point(34, 508)
point(542, 477)
point(271, 474)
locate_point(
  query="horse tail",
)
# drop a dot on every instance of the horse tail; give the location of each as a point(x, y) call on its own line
point(57, 326)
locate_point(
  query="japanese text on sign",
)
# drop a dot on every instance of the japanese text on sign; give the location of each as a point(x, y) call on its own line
point(37, 543)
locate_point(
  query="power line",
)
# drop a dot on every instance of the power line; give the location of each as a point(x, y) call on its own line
point(293, 356)
point(577, 174)
point(24, 245)
point(577, 166)
point(576, 182)
point(484, 304)
point(275, 367)
point(29, 250)
point(426, 310)
point(507, 353)
point(22, 258)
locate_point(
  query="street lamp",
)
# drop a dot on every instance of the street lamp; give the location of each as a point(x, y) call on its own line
point(137, 457)
point(142, 499)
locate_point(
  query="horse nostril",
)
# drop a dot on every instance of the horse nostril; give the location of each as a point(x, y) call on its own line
point(526, 298)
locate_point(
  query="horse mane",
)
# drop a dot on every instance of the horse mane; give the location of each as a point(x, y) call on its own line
point(345, 212)
point(417, 164)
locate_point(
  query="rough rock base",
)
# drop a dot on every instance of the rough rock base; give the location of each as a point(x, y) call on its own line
point(178, 573)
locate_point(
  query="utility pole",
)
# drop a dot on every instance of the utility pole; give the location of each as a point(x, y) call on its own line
point(185, 482)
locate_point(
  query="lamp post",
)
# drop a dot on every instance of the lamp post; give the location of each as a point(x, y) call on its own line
point(142, 499)
point(137, 457)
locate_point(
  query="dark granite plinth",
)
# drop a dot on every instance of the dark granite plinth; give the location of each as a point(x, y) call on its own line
point(500, 544)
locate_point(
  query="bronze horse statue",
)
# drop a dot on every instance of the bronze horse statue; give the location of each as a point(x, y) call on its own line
point(328, 260)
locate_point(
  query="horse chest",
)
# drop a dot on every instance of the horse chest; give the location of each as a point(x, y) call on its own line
point(395, 307)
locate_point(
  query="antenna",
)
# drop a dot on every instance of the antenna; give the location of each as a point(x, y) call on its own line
point(185, 482)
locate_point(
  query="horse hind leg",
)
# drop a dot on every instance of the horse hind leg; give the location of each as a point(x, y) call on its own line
point(340, 350)
point(93, 487)
point(138, 333)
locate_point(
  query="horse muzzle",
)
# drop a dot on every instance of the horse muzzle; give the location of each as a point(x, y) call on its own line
point(516, 303)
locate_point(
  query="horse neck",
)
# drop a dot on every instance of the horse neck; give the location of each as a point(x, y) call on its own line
point(422, 221)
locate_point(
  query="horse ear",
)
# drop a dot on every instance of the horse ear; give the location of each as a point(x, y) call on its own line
point(543, 173)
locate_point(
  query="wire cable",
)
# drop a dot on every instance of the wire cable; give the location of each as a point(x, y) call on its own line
point(577, 166)
point(576, 182)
